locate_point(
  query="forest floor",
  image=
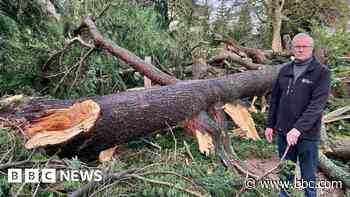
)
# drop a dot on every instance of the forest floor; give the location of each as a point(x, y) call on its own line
point(259, 166)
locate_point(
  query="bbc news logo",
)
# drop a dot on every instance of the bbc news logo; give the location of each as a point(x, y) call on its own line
point(48, 175)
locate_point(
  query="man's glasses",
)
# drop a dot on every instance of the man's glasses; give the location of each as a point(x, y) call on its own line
point(301, 46)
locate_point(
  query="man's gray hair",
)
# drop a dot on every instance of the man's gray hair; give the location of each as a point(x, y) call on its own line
point(299, 35)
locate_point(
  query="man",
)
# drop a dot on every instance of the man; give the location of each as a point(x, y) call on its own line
point(298, 98)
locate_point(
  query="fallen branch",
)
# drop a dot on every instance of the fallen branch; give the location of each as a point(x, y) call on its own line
point(77, 65)
point(140, 65)
point(171, 185)
point(59, 54)
point(227, 55)
point(344, 57)
point(21, 163)
point(106, 179)
point(13, 125)
point(256, 55)
point(336, 115)
point(137, 174)
point(337, 119)
point(69, 42)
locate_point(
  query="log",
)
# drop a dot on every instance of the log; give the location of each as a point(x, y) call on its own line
point(119, 118)
point(196, 124)
point(325, 144)
point(258, 56)
point(227, 55)
point(105, 121)
point(201, 70)
point(199, 123)
point(341, 152)
point(333, 171)
point(340, 149)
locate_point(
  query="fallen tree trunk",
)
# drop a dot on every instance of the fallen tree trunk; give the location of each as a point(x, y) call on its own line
point(341, 152)
point(340, 149)
point(119, 118)
point(87, 126)
point(201, 126)
point(196, 124)
point(333, 171)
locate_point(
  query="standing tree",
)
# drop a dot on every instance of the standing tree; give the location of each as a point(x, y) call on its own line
point(162, 7)
point(275, 12)
point(221, 18)
point(302, 14)
point(244, 26)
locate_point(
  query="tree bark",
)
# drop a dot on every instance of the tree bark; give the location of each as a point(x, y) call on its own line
point(227, 55)
point(199, 125)
point(276, 7)
point(258, 56)
point(340, 149)
point(341, 152)
point(125, 116)
point(333, 171)
point(128, 115)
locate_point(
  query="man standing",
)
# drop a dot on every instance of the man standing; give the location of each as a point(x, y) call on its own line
point(298, 98)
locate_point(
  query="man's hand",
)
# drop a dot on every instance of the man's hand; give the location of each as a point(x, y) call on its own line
point(292, 136)
point(269, 134)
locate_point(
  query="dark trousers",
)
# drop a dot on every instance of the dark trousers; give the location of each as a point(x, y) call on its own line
point(306, 151)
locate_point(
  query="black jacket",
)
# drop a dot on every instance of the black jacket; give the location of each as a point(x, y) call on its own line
point(299, 105)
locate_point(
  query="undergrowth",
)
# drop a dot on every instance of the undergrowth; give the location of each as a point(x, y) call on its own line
point(163, 152)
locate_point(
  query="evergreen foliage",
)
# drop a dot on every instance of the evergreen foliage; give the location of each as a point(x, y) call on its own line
point(33, 40)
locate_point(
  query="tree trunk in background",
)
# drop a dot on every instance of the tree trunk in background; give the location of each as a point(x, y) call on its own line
point(275, 10)
point(50, 9)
